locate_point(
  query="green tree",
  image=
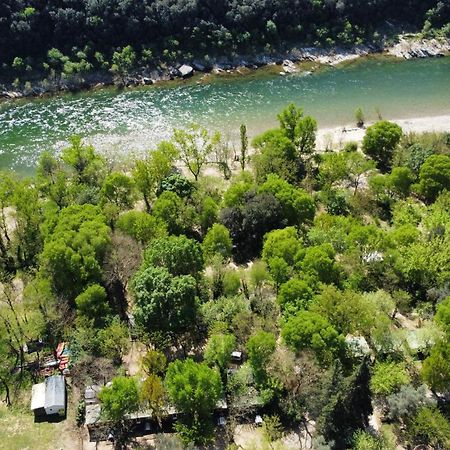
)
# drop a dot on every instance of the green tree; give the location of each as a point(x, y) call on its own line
point(347, 310)
point(235, 195)
point(217, 241)
point(88, 166)
point(218, 351)
point(401, 179)
point(362, 440)
point(123, 61)
point(119, 189)
point(299, 129)
point(279, 270)
point(29, 217)
point(93, 304)
point(194, 389)
point(164, 302)
point(154, 362)
point(276, 154)
point(209, 211)
point(179, 184)
point(430, 427)
point(119, 399)
point(52, 179)
point(272, 428)
point(345, 166)
point(171, 209)
point(260, 348)
point(309, 330)
point(284, 243)
point(319, 261)
point(380, 141)
point(298, 206)
point(74, 249)
point(56, 61)
point(152, 395)
point(244, 146)
point(178, 254)
point(434, 176)
point(195, 146)
point(141, 226)
point(114, 340)
point(7, 187)
point(294, 295)
point(436, 368)
point(442, 316)
point(148, 174)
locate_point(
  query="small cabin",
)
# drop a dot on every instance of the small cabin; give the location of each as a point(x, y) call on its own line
point(236, 357)
point(49, 398)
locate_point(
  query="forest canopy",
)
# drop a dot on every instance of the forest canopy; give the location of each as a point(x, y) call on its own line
point(83, 35)
point(311, 290)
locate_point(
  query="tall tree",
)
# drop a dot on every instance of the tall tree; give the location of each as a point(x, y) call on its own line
point(150, 172)
point(194, 389)
point(349, 409)
point(244, 146)
point(195, 146)
point(118, 400)
point(164, 302)
point(380, 141)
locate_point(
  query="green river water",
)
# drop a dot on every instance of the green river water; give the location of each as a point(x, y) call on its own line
point(126, 123)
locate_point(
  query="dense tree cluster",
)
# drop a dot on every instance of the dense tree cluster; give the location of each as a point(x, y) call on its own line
point(327, 271)
point(78, 36)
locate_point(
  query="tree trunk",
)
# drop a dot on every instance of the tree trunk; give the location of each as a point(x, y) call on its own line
point(7, 393)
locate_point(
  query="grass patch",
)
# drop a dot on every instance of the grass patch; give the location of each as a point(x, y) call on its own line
point(18, 431)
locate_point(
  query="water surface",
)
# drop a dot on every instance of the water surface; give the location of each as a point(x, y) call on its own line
point(131, 122)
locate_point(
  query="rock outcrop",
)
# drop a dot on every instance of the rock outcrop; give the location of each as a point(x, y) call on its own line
point(186, 71)
point(420, 48)
point(289, 66)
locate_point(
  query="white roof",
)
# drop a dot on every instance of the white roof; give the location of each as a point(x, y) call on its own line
point(55, 391)
point(38, 396)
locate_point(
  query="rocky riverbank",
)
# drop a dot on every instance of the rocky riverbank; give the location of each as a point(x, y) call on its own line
point(287, 62)
point(420, 48)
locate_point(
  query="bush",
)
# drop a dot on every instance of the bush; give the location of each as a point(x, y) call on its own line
point(388, 377)
point(430, 427)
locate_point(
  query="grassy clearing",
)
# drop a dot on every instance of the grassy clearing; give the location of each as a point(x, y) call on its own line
point(18, 431)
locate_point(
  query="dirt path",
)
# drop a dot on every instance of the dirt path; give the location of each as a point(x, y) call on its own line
point(132, 360)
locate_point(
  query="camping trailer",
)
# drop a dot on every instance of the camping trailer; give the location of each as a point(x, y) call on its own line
point(49, 398)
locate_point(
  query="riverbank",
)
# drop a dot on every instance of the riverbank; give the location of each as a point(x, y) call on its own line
point(336, 137)
point(287, 62)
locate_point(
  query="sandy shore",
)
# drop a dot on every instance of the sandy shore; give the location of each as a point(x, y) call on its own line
point(334, 138)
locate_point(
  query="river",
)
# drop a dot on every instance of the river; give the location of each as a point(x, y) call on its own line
point(125, 123)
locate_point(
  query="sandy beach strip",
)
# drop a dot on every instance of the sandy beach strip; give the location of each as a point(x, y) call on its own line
point(335, 138)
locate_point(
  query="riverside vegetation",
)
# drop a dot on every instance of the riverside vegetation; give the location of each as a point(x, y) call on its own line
point(68, 41)
point(290, 255)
